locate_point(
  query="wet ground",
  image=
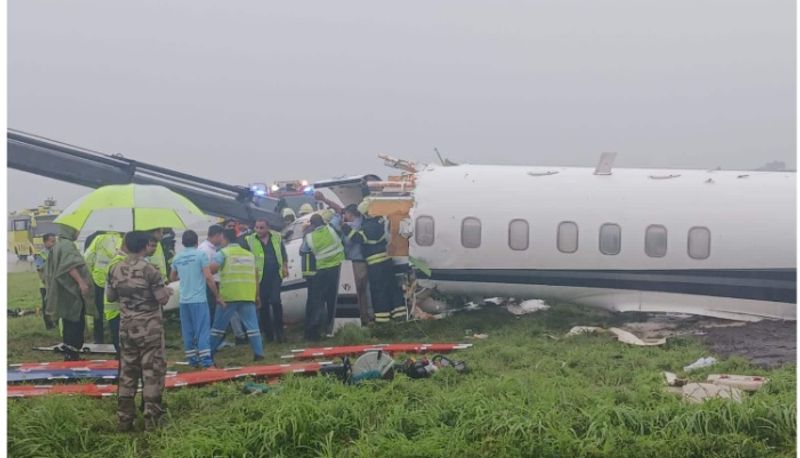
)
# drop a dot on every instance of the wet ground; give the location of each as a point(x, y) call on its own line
point(765, 343)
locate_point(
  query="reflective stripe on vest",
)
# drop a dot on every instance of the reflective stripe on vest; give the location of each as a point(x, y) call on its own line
point(308, 262)
point(327, 247)
point(258, 251)
point(377, 258)
point(237, 281)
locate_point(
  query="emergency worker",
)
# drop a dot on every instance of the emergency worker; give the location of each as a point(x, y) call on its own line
point(326, 245)
point(305, 209)
point(238, 288)
point(98, 256)
point(141, 292)
point(387, 296)
point(270, 254)
point(40, 260)
point(288, 215)
point(308, 264)
point(111, 309)
point(68, 291)
point(156, 255)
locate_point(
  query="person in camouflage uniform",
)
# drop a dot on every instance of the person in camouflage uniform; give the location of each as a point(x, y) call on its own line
point(139, 288)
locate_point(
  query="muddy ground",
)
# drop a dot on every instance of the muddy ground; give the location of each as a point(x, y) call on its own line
point(765, 343)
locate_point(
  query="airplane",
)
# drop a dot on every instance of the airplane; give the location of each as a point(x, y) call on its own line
point(718, 243)
point(715, 242)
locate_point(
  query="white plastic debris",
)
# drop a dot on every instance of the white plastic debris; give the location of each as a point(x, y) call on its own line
point(526, 307)
point(700, 392)
point(494, 300)
point(478, 336)
point(742, 382)
point(471, 306)
point(578, 330)
point(628, 338)
point(700, 363)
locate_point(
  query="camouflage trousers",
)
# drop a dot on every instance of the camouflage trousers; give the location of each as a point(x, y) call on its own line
point(142, 355)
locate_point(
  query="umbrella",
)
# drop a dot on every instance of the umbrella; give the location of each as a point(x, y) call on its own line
point(124, 208)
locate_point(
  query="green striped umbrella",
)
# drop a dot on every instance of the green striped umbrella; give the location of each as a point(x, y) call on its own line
point(128, 207)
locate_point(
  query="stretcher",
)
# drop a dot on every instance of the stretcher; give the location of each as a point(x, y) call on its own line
point(174, 380)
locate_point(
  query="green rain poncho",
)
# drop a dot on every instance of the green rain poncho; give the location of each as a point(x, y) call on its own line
point(63, 294)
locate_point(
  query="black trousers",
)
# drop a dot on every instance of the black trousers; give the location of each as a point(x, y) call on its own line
point(386, 292)
point(271, 323)
point(308, 315)
point(48, 324)
point(99, 296)
point(323, 302)
point(73, 335)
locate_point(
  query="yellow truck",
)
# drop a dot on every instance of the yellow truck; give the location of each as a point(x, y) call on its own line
point(26, 228)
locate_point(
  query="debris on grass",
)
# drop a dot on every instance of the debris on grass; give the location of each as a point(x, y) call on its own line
point(700, 363)
point(700, 392)
point(478, 336)
point(673, 380)
point(742, 382)
point(628, 338)
point(621, 335)
point(527, 307)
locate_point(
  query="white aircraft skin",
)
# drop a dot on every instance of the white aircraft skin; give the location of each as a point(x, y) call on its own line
point(749, 273)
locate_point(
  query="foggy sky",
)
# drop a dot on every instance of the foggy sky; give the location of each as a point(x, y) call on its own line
point(256, 91)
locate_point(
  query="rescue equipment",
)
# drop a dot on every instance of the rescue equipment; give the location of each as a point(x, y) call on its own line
point(331, 352)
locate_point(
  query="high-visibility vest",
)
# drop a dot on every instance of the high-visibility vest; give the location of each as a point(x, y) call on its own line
point(373, 240)
point(309, 264)
point(324, 241)
point(258, 251)
point(99, 254)
point(159, 261)
point(111, 309)
point(237, 281)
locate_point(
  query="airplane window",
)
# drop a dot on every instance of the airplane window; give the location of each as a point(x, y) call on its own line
point(567, 237)
point(423, 231)
point(655, 241)
point(699, 242)
point(21, 225)
point(610, 238)
point(518, 234)
point(471, 233)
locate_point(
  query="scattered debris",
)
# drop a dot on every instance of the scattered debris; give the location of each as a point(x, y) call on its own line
point(628, 338)
point(578, 330)
point(432, 306)
point(16, 313)
point(494, 300)
point(673, 380)
point(478, 336)
point(470, 306)
point(621, 334)
point(742, 382)
point(700, 392)
point(700, 363)
point(526, 307)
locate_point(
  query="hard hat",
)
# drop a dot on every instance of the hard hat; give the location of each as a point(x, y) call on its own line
point(327, 215)
point(288, 212)
point(363, 207)
point(306, 209)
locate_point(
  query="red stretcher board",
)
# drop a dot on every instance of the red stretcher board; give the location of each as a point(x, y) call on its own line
point(194, 378)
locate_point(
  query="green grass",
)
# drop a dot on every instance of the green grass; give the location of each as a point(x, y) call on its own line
point(527, 394)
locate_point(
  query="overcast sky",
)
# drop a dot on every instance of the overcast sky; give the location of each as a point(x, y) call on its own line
point(247, 91)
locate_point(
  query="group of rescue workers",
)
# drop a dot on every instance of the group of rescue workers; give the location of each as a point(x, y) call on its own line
point(233, 278)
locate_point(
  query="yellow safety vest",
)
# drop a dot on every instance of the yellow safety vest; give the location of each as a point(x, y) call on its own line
point(258, 251)
point(237, 281)
point(159, 261)
point(327, 247)
point(99, 254)
point(111, 309)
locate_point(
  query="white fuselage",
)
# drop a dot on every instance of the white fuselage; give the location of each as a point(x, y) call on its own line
point(749, 271)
